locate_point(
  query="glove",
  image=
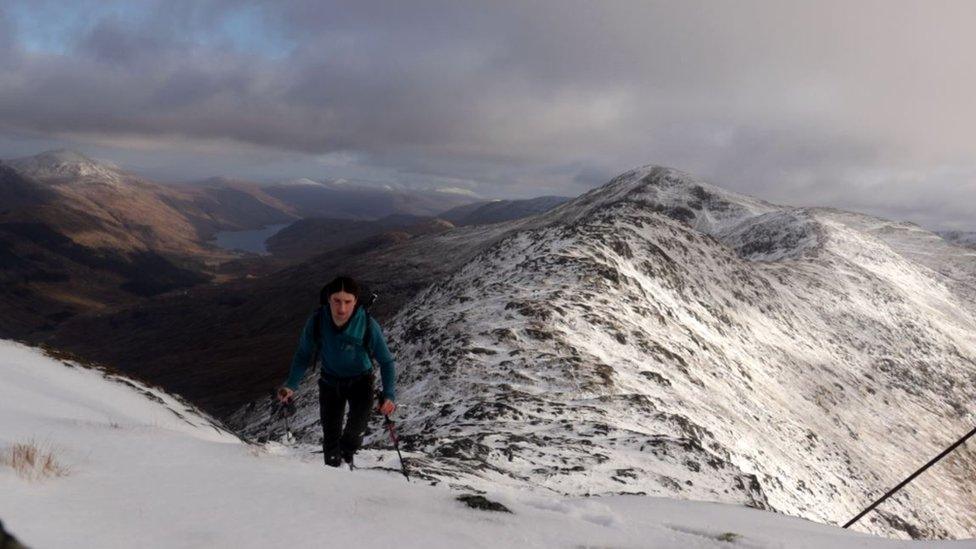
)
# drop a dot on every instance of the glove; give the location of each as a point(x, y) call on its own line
point(388, 407)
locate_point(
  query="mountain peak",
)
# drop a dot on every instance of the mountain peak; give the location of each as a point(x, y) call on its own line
point(64, 156)
point(63, 164)
point(705, 207)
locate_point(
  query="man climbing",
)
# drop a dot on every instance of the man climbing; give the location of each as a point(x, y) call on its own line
point(347, 341)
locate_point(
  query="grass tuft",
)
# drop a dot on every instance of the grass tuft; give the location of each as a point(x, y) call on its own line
point(730, 537)
point(33, 461)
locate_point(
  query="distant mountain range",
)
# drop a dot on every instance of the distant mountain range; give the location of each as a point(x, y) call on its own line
point(313, 236)
point(350, 200)
point(136, 213)
point(79, 235)
point(960, 238)
point(496, 211)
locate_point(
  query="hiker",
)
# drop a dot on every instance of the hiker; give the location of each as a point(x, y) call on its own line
point(348, 340)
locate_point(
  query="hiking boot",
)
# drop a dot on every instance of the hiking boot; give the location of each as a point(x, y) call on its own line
point(333, 460)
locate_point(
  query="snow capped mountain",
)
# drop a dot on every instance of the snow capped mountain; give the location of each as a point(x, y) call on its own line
point(121, 464)
point(664, 336)
point(136, 214)
point(67, 166)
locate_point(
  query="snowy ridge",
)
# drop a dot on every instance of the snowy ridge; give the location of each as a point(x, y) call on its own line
point(757, 229)
point(146, 471)
point(660, 335)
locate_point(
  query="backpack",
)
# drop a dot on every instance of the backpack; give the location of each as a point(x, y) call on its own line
point(365, 304)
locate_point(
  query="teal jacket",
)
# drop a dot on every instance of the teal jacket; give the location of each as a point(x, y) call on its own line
point(342, 354)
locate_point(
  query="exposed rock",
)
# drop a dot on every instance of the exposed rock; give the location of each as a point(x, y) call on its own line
point(476, 501)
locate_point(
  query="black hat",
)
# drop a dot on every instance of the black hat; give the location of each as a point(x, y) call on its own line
point(339, 284)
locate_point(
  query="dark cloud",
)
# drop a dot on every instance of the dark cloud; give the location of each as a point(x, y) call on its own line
point(111, 43)
point(7, 35)
point(791, 102)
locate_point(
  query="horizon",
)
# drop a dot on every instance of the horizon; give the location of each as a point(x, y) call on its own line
point(476, 198)
point(813, 104)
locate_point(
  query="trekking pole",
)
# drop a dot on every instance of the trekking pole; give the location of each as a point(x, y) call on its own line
point(912, 477)
point(286, 410)
point(391, 427)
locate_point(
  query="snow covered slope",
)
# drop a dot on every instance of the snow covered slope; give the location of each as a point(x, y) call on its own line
point(145, 470)
point(951, 260)
point(664, 336)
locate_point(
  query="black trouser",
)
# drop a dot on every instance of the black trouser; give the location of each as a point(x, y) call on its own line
point(334, 393)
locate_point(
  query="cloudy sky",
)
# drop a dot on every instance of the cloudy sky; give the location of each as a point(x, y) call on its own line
point(863, 105)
